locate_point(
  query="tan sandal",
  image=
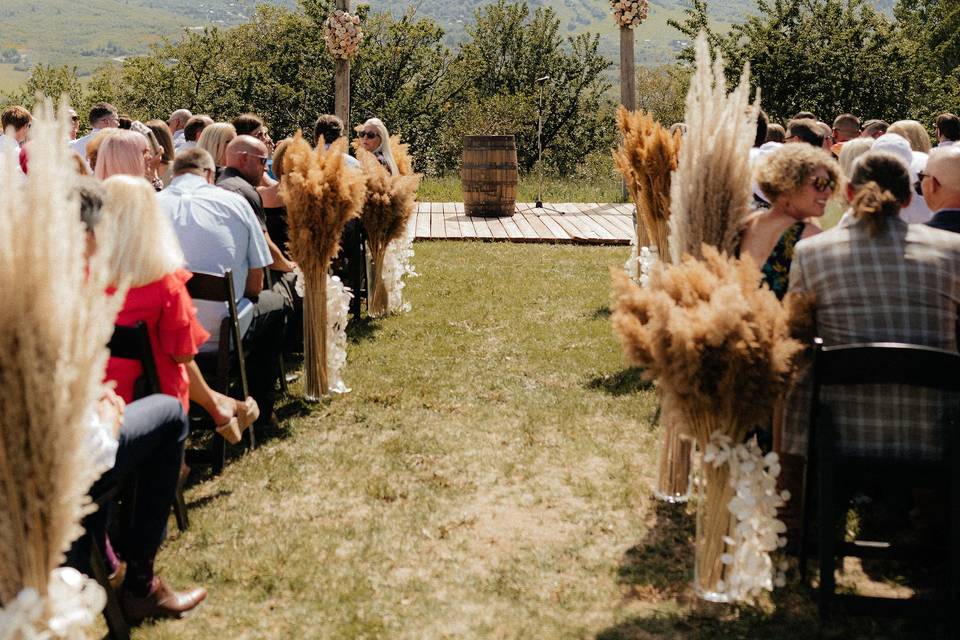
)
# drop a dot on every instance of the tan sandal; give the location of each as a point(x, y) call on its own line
point(247, 412)
point(230, 431)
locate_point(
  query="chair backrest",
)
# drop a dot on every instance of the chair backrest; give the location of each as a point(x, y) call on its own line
point(133, 343)
point(886, 363)
point(213, 288)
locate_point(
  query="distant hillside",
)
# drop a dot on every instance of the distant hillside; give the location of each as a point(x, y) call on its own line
point(88, 33)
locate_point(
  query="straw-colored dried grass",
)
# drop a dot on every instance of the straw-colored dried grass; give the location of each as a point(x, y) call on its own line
point(646, 159)
point(55, 322)
point(321, 193)
point(390, 202)
point(720, 350)
point(710, 192)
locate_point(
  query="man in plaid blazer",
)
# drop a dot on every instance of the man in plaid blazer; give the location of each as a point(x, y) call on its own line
point(901, 285)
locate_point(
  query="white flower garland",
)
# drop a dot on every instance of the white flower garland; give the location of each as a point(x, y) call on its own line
point(758, 531)
point(71, 607)
point(630, 13)
point(338, 316)
point(397, 266)
point(343, 34)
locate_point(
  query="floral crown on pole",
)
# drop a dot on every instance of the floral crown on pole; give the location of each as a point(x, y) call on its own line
point(630, 13)
point(343, 34)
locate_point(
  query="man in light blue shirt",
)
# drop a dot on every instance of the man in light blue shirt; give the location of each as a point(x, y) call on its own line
point(218, 230)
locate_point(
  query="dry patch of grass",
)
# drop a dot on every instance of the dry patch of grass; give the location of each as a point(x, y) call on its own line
point(488, 477)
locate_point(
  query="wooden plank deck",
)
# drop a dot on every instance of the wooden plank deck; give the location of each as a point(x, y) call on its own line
point(557, 223)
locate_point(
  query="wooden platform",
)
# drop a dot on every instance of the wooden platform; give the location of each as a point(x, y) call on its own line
point(580, 223)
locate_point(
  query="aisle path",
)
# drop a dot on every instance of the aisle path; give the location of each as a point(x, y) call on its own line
point(557, 223)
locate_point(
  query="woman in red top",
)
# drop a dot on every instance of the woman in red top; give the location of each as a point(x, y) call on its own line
point(144, 251)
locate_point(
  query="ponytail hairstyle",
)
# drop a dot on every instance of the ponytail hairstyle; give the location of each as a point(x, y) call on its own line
point(881, 183)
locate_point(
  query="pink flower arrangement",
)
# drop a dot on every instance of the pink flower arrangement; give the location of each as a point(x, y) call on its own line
point(630, 13)
point(343, 34)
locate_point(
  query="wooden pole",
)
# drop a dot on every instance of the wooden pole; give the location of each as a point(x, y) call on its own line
point(342, 81)
point(628, 72)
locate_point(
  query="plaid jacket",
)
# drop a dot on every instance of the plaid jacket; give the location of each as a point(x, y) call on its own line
point(901, 286)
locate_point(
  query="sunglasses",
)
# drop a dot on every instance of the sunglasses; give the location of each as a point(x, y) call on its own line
point(822, 184)
point(262, 159)
point(368, 134)
point(918, 185)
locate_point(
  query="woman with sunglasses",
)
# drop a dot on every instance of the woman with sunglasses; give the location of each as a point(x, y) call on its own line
point(798, 180)
point(376, 139)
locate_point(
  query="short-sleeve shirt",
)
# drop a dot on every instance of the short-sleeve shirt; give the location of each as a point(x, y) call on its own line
point(167, 309)
point(217, 231)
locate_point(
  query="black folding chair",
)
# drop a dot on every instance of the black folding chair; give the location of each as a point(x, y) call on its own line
point(869, 364)
point(133, 343)
point(226, 364)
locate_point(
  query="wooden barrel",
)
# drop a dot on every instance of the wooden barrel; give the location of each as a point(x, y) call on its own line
point(489, 175)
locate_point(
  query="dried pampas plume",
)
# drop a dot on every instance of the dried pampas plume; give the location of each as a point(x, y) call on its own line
point(710, 192)
point(391, 200)
point(646, 159)
point(720, 350)
point(321, 193)
point(52, 358)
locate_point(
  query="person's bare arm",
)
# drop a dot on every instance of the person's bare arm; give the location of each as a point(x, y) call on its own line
point(254, 284)
point(280, 262)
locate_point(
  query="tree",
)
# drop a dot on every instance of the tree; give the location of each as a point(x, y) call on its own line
point(50, 81)
point(825, 56)
point(662, 91)
point(508, 49)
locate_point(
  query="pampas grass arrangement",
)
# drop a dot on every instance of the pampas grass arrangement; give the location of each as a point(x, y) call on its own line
point(390, 202)
point(646, 159)
point(321, 194)
point(720, 350)
point(52, 360)
point(710, 192)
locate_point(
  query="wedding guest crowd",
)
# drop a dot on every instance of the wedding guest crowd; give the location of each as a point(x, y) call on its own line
point(181, 196)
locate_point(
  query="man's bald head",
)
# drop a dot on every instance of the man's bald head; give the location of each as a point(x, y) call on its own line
point(942, 187)
point(247, 155)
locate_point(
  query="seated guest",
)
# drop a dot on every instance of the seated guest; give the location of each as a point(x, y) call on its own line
point(805, 130)
point(864, 277)
point(218, 230)
point(178, 120)
point(853, 149)
point(122, 153)
point(846, 127)
point(93, 147)
point(103, 115)
point(915, 134)
point(214, 139)
point(874, 128)
point(776, 133)
point(350, 263)
point(866, 281)
point(330, 128)
point(162, 133)
point(947, 129)
point(150, 450)
point(250, 124)
point(274, 210)
point(917, 211)
point(246, 161)
point(144, 251)
point(940, 185)
point(192, 131)
point(14, 126)
point(153, 156)
point(376, 139)
point(799, 181)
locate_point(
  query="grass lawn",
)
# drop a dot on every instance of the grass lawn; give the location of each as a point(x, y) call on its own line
point(602, 187)
point(488, 477)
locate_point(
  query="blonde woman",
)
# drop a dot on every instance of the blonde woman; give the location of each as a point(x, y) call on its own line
point(122, 153)
point(215, 139)
point(799, 180)
point(915, 134)
point(162, 133)
point(376, 139)
point(144, 252)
